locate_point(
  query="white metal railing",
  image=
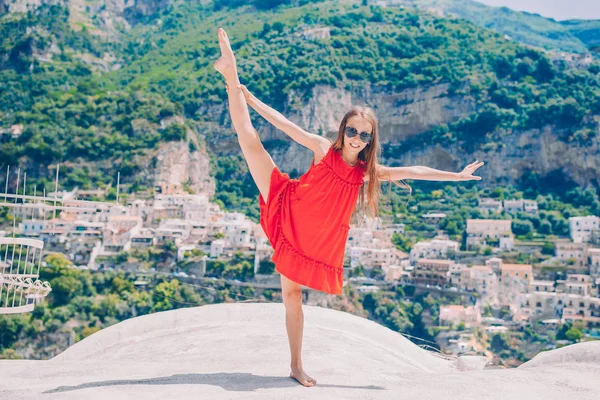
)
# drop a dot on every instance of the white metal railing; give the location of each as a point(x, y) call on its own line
point(20, 261)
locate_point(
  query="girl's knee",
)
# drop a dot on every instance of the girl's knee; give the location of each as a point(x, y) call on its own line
point(292, 296)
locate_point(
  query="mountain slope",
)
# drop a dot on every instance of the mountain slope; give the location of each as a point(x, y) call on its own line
point(524, 27)
point(435, 82)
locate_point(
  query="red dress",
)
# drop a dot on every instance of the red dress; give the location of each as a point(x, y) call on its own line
point(306, 220)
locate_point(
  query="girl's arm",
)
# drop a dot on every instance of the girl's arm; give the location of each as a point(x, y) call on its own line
point(316, 143)
point(430, 174)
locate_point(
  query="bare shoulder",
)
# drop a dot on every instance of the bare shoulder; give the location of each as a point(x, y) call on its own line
point(321, 149)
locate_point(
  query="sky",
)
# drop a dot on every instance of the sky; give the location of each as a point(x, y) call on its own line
point(557, 9)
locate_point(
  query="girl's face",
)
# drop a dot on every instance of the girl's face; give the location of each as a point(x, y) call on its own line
point(361, 129)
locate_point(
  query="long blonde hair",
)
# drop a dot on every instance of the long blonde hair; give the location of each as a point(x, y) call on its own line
point(369, 155)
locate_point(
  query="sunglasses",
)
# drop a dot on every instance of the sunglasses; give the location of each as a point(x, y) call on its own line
point(365, 137)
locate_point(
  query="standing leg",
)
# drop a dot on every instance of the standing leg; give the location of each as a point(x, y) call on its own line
point(294, 323)
point(259, 161)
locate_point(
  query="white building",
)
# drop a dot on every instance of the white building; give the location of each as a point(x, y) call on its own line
point(568, 307)
point(574, 254)
point(432, 272)
point(434, 218)
point(370, 257)
point(433, 249)
point(583, 228)
point(216, 248)
point(541, 286)
point(32, 227)
point(513, 280)
point(594, 261)
point(490, 205)
point(371, 245)
point(507, 242)
point(522, 205)
point(483, 280)
point(455, 314)
point(480, 229)
point(576, 284)
point(118, 232)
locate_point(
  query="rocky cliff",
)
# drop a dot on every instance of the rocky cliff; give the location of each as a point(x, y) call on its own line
point(112, 13)
point(408, 114)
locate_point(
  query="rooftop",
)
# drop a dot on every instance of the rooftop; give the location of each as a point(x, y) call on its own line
point(240, 351)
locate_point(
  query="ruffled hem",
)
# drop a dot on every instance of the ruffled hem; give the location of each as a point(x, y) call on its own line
point(305, 270)
point(290, 262)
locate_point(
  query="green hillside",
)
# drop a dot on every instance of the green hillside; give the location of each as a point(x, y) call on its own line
point(588, 31)
point(74, 112)
point(528, 28)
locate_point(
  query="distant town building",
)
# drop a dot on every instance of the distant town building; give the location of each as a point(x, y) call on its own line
point(490, 205)
point(433, 249)
point(573, 255)
point(575, 284)
point(432, 272)
point(319, 33)
point(513, 280)
point(478, 230)
point(483, 280)
point(568, 307)
point(594, 261)
point(541, 286)
point(216, 248)
point(582, 229)
point(434, 218)
point(455, 314)
point(514, 206)
point(118, 232)
point(370, 245)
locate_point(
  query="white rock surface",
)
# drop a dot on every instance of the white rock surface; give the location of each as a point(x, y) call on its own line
point(240, 351)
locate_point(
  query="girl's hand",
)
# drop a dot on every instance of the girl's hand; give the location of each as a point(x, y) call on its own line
point(467, 173)
point(247, 94)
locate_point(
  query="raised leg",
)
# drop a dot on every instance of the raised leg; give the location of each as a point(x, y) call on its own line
point(259, 161)
point(294, 323)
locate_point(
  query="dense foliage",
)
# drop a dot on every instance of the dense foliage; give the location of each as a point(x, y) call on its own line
point(73, 110)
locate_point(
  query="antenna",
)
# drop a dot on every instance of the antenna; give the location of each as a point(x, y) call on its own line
point(6, 188)
point(118, 180)
point(16, 194)
point(55, 193)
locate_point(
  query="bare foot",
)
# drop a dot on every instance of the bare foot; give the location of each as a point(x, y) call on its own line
point(299, 375)
point(226, 63)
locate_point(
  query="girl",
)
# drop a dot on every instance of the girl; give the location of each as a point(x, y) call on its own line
point(306, 219)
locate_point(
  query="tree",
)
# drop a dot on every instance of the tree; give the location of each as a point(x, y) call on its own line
point(58, 260)
point(64, 289)
point(499, 343)
point(266, 267)
point(548, 248)
point(521, 227)
point(120, 285)
point(166, 296)
point(575, 334)
point(545, 228)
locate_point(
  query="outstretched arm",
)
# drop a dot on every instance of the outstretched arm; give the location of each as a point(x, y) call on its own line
point(430, 174)
point(314, 142)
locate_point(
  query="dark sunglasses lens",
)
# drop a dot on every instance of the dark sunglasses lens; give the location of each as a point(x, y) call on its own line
point(365, 137)
point(351, 132)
